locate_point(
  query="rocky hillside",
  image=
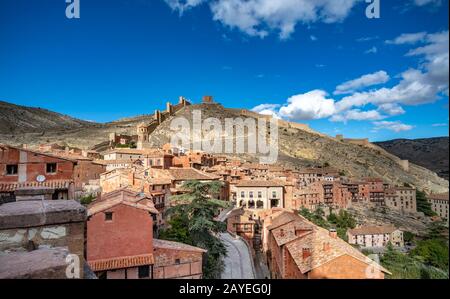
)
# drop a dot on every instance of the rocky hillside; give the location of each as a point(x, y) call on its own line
point(297, 147)
point(21, 119)
point(431, 153)
point(306, 148)
point(27, 125)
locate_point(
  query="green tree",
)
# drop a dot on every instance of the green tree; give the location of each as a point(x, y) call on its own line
point(87, 199)
point(404, 266)
point(423, 205)
point(433, 252)
point(408, 236)
point(193, 216)
point(178, 230)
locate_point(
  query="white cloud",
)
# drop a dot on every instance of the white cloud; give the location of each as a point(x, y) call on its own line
point(356, 114)
point(361, 82)
point(259, 17)
point(439, 125)
point(313, 38)
point(372, 50)
point(391, 109)
point(310, 105)
point(367, 38)
point(408, 38)
point(183, 5)
point(425, 2)
point(417, 86)
point(267, 109)
point(395, 126)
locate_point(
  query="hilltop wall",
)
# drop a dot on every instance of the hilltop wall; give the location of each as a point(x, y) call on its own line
point(145, 129)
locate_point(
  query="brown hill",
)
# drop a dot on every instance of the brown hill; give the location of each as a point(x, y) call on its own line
point(298, 146)
point(431, 153)
point(304, 147)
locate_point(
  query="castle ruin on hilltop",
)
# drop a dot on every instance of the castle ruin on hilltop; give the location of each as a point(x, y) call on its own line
point(145, 129)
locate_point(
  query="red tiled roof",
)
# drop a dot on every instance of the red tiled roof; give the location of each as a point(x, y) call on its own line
point(255, 183)
point(53, 184)
point(4, 146)
point(442, 196)
point(185, 174)
point(122, 262)
point(372, 230)
point(157, 243)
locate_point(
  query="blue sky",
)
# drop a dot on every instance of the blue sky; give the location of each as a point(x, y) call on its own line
point(321, 62)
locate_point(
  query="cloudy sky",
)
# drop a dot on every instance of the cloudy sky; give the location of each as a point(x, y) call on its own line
point(321, 62)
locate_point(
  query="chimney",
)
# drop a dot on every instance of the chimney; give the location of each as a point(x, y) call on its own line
point(306, 252)
point(333, 233)
point(326, 246)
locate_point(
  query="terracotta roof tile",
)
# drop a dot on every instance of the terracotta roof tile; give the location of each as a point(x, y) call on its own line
point(372, 230)
point(53, 184)
point(185, 174)
point(257, 183)
point(157, 243)
point(122, 262)
point(323, 248)
point(442, 196)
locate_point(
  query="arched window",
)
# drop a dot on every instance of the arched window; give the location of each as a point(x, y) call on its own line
point(260, 204)
point(251, 204)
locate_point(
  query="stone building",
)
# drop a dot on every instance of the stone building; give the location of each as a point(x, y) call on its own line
point(375, 236)
point(439, 204)
point(179, 176)
point(154, 158)
point(402, 199)
point(259, 195)
point(21, 167)
point(121, 244)
point(298, 249)
point(37, 236)
point(119, 237)
point(177, 260)
point(155, 183)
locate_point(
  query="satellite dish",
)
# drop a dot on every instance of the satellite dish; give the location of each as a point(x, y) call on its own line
point(40, 178)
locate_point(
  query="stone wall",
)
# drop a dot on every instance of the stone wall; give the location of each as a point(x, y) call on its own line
point(170, 263)
point(29, 226)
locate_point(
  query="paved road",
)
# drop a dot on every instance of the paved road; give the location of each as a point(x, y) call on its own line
point(238, 263)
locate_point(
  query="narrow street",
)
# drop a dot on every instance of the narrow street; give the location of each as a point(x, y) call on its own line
point(238, 263)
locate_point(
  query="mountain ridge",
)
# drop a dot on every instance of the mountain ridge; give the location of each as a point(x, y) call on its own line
point(298, 146)
point(431, 153)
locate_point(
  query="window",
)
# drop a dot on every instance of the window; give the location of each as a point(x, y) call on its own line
point(242, 194)
point(259, 194)
point(11, 169)
point(250, 194)
point(51, 167)
point(177, 261)
point(108, 216)
point(144, 271)
point(274, 194)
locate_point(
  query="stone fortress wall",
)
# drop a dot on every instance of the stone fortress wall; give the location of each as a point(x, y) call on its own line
point(145, 129)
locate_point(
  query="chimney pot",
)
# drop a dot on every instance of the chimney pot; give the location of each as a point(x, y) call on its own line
point(306, 252)
point(333, 233)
